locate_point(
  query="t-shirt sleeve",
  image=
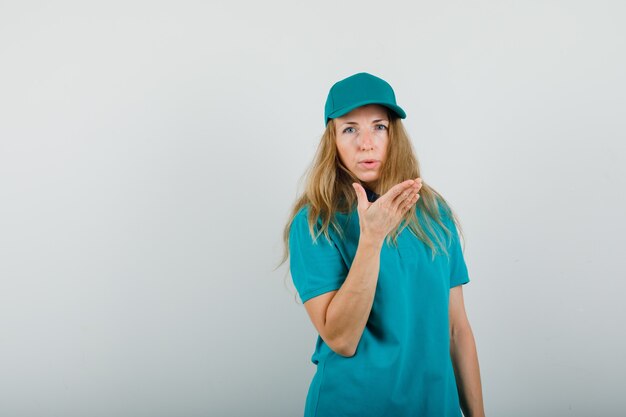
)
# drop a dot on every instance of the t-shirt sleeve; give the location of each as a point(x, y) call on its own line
point(458, 268)
point(316, 268)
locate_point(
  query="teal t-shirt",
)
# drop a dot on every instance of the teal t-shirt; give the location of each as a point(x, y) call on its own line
point(402, 365)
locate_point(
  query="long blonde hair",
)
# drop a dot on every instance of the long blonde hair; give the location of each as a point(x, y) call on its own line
point(328, 190)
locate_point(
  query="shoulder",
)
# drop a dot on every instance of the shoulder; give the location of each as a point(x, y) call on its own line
point(316, 225)
point(441, 218)
point(303, 212)
point(303, 215)
point(446, 214)
point(301, 218)
point(443, 209)
point(301, 224)
point(435, 212)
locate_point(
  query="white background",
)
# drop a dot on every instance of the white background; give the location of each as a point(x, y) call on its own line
point(150, 153)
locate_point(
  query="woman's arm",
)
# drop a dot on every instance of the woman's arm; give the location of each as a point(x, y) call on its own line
point(340, 316)
point(464, 357)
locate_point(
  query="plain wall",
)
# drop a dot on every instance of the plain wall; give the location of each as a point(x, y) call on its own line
point(150, 153)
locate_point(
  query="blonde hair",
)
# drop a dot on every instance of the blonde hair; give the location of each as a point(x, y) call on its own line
point(328, 190)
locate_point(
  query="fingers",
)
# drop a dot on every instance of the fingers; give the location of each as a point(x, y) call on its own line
point(381, 217)
point(399, 196)
point(408, 194)
point(409, 202)
point(361, 196)
point(397, 190)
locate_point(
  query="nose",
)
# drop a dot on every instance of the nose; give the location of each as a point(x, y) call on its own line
point(366, 141)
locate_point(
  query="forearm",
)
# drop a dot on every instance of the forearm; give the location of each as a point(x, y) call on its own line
point(350, 308)
point(466, 369)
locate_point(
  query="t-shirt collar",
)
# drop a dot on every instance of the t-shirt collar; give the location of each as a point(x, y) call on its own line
point(371, 195)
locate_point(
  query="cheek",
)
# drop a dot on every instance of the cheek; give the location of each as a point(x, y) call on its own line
point(344, 153)
point(383, 147)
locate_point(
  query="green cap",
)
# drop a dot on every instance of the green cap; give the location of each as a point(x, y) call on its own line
point(356, 91)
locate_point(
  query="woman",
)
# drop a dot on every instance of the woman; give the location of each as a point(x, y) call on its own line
point(376, 260)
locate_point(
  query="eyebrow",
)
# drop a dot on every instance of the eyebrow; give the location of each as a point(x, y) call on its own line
point(373, 121)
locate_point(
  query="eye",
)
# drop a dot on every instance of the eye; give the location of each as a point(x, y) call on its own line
point(381, 127)
point(346, 130)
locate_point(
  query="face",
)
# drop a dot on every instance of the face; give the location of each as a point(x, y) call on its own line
point(362, 137)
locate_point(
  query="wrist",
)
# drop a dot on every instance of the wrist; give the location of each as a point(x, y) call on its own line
point(371, 241)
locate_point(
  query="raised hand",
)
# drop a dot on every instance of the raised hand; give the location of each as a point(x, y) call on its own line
point(379, 218)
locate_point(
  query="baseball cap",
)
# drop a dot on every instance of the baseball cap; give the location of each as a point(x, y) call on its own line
point(358, 90)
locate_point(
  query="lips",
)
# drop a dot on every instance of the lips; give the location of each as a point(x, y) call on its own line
point(369, 163)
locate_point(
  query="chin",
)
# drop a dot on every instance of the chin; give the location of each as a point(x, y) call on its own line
point(369, 179)
point(370, 182)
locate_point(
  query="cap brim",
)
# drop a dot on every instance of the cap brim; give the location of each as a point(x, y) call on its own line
point(345, 110)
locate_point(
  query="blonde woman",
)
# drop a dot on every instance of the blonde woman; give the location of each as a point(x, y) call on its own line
point(376, 259)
